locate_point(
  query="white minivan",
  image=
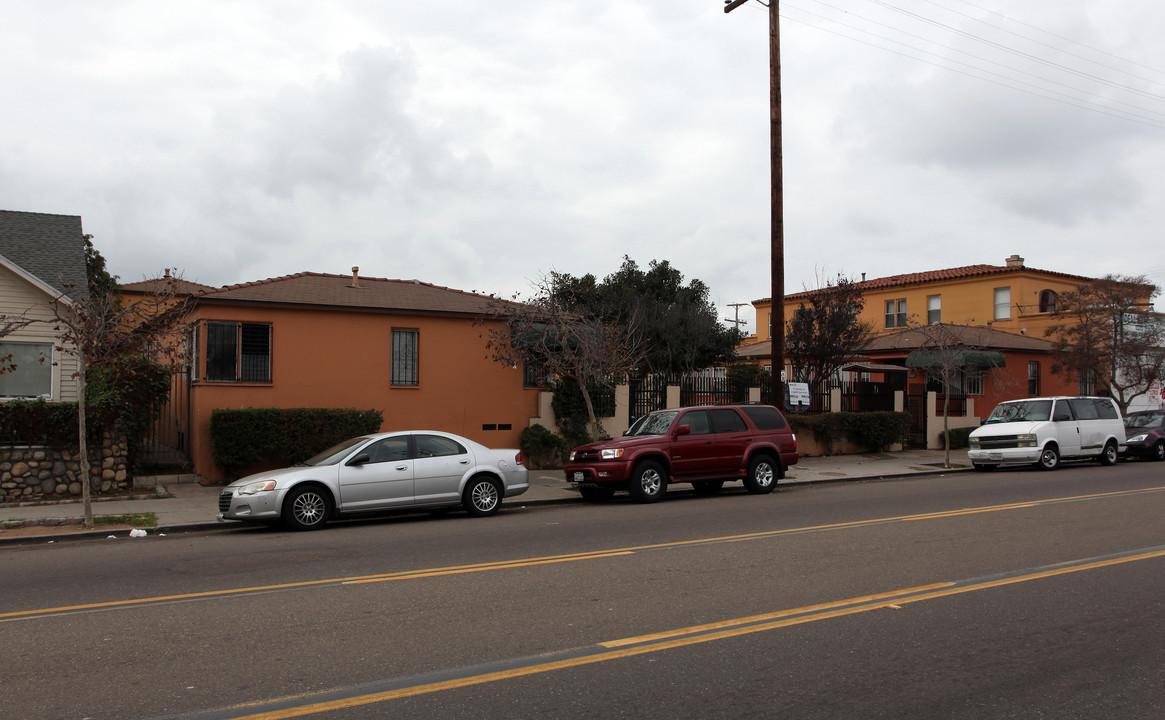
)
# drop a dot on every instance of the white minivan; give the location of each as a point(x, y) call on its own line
point(1041, 431)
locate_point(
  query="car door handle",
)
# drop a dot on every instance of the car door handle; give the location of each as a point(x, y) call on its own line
point(402, 468)
point(463, 462)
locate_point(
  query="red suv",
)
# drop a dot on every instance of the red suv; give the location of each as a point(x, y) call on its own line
point(705, 446)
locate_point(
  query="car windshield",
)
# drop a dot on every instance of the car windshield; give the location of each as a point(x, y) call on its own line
point(656, 423)
point(334, 454)
point(1143, 419)
point(1029, 410)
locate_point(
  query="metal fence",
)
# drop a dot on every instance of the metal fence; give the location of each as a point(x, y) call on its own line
point(168, 440)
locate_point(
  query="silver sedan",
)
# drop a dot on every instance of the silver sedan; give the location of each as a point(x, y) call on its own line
point(387, 471)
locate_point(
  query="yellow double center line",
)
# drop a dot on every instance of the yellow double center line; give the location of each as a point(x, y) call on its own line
point(553, 559)
point(301, 706)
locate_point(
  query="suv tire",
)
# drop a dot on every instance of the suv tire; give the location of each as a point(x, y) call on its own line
point(762, 475)
point(648, 482)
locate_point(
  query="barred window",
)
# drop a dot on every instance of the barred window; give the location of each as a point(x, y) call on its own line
point(238, 352)
point(1033, 378)
point(533, 375)
point(404, 357)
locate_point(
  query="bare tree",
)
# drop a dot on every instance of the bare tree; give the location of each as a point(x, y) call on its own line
point(1108, 332)
point(825, 332)
point(102, 328)
point(948, 353)
point(566, 344)
point(10, 324)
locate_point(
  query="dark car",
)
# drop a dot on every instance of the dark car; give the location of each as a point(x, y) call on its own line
point(1145, 434)
point(706, 446)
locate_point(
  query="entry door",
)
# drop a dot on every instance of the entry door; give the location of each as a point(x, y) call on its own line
point(385, 481)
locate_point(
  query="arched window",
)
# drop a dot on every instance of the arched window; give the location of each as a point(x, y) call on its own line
point(1047, 301)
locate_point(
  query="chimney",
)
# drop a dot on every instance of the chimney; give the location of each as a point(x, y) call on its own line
point(1015, 261)
point(167, 274)
point(355, 276)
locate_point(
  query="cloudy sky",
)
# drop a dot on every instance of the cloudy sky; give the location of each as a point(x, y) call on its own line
point(480, 145)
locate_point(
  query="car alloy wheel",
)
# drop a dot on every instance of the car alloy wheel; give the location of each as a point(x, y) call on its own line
point(306, 509)
point(482, 497)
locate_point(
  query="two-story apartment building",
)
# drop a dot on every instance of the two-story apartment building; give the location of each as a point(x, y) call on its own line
point(1010, 298)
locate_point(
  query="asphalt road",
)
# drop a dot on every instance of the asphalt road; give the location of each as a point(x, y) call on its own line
point(1010, 594)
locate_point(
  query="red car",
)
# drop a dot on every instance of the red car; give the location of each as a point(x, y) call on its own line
point(706, 446)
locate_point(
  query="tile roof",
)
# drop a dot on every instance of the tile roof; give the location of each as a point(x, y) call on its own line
point(49, 247)
point(336, 291)
point(969, 335)
point(934, 276)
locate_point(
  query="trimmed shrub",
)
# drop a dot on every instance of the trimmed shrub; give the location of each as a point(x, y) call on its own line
point(36, 422)
point(245, 438)
point(542, 448)
point(872, 430)
point(958, 437)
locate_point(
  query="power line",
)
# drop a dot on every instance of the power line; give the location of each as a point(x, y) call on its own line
point(1041, 87)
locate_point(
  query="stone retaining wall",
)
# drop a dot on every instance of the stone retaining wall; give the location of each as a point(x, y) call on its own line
point(32, 473)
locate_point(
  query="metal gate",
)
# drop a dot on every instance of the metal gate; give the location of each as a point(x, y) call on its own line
point(167, 442)
point(646, 394)
point(916, 406)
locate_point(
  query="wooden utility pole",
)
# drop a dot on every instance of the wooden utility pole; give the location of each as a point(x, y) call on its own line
point(777, 250)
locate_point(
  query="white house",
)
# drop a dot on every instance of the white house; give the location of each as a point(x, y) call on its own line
point(42, 258)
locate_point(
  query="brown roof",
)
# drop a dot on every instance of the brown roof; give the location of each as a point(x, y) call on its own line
point(177, 285)
point(932, 276)
point(969, 335)
point(337, 291)
point(762, 349)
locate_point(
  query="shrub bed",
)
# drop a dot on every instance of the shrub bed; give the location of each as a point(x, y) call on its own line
point(241, 439)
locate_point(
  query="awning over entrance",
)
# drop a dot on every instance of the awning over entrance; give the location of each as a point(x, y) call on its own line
point(957, 358)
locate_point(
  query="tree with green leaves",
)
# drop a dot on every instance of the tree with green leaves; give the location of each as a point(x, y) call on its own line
point(677, 322)
point(826, 333)
point(1108, 332)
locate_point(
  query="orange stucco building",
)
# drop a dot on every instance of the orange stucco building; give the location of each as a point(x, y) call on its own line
point(412, 350)
point(1010, 297)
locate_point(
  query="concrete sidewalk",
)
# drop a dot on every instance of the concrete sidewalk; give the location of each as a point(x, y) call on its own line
point(181, 504)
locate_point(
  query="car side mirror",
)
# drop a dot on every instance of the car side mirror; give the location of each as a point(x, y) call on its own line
point(361, 459)
point(683, 430)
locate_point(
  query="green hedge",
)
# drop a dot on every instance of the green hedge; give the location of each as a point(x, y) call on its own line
point(542, 449)
point(958, 437)
point(36, 422)
point(872, 430)
point(241, 439)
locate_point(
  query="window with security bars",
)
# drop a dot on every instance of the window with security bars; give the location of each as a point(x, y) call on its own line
point(238, 352)
point(404, 357)
point(1033, 378)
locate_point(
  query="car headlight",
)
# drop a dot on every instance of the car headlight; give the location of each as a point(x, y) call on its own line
point(572, 455)
point(1139, 438)
point(611, 453)
point(1026, 440)
point(973, 443)
point(257, 487)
